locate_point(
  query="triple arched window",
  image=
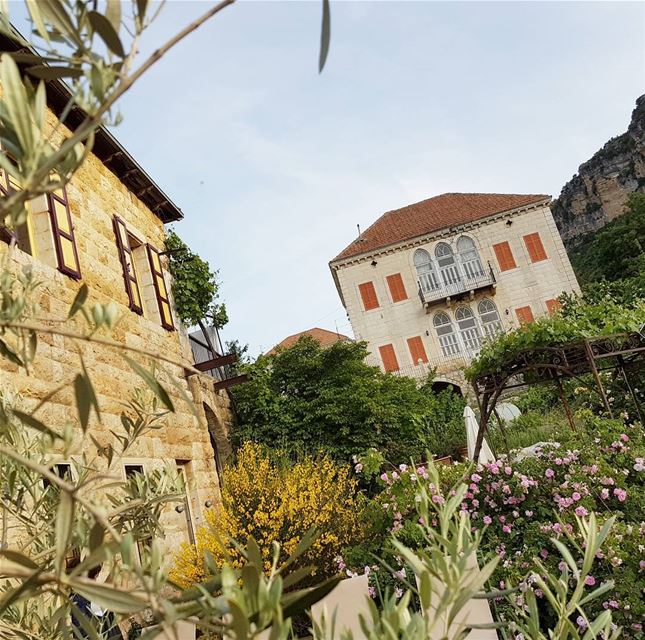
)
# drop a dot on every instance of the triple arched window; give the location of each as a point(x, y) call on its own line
point(450, 268)
point(469, 330)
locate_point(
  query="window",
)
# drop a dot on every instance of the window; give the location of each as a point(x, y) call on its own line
point(468, 329)
point(446, 334)
point(161, 291)
point(524, 314)
point(425, 271)
point(504, 256)
point(22, 233)
point(63, 232)
point(368, 295)
point(132, 471)
point(183, 468)
point(469, 256)
point(489, 317)
point(535, 247)
point(417, 350)
point(447, 265)
point(388, 356)
point(124, 242)
point(397, 288)
point(553, 306)
point(62, 469)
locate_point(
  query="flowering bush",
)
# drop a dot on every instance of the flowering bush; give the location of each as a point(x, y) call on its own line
point(276, 501)
point(522, 504)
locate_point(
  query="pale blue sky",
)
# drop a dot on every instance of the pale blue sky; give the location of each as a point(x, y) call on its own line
point(274, 165)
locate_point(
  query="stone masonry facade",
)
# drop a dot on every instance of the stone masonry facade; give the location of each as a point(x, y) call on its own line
point(95, 195)
point(410, 330)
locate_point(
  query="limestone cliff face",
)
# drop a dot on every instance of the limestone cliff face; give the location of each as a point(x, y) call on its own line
point(597, 193)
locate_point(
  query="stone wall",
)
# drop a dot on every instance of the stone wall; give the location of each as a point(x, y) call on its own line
point(529, 284)
point(95, 195)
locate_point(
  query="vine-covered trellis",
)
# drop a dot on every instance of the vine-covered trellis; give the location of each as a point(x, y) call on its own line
point(623, 353)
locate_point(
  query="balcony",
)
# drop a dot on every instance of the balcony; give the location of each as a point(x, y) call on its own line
point(453, 284)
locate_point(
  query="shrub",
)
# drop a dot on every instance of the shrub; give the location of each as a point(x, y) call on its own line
point(275, 500)
point(521, 505)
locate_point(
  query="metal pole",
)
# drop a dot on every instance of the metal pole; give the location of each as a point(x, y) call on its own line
point(637, 404)
point(564, 401)
point(596, 375)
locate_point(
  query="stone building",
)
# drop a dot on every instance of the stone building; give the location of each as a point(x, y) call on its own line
point(325, 337)
point(106, 230)
point(426, 284)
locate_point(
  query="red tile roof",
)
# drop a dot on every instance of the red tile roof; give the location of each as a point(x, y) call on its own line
point(324, 337)
point(433, 214)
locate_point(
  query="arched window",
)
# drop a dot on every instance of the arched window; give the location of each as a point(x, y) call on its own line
point(447, 265)
point(468, 328)
point(425, 271)
point(446, 334)
point(489, 317)
point(469, 257)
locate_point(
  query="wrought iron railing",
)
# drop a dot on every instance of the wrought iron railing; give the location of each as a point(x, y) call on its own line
point(469, 280)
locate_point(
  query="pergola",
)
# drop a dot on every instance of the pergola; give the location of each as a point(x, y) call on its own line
point(622, 353)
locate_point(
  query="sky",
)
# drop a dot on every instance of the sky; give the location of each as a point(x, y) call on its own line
point(274, 165)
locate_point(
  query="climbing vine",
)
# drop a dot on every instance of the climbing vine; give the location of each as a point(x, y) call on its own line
point(194, 285)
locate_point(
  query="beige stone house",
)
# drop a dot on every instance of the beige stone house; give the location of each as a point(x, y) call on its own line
point(325, 337)
point(425, 285)
point(106, 230)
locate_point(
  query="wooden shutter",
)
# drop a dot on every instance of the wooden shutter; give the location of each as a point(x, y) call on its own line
point(524, 314)
point(535, 247)
point(504, 256)
point(397, 288)
point(127, 264)
point(63, 232)
point(368, 295)
point(553, 306)
point(390, 363)
point(417, 350)
point(161, 290)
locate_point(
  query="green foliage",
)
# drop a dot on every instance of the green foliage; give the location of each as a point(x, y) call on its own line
point(194, 285)
point(309, 398)
point(617, 251)
point(577, 320)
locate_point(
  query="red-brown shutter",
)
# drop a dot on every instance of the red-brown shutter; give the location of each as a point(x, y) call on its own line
point(63, 233)
point(535, 247)
point(504, 256)
point(368, 295)
point(388, 356)
point(524, 314)
point(127, 264)
point(397, 288)
point(161, 290)
point(553, 306)
point(417, 350)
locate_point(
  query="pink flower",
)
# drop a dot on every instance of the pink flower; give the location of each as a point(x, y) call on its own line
point(437, 499)
point(590, 581)
point(384, 477)
point(508, 471)
point(581, 511)
point(549, 473)
point(544, 553)
point(576, 496)
point(475, 477)
point(621, 494)
point(506, 529)
point(487, 519)
point(624, 437)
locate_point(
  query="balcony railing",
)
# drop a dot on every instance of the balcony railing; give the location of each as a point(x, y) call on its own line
point(453, 284)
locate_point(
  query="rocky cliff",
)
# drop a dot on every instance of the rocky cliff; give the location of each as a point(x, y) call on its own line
point(597, 193)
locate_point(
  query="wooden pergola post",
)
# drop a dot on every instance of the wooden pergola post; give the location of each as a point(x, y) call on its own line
point(594, 370)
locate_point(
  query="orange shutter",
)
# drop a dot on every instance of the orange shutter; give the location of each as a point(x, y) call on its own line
point(127, 264)
point(368, 294)
point(535, 247)
point(390, 363)
point(417, 350)
point(397, 288)
point(504, 256)
point(553, 305)
point(524, 314)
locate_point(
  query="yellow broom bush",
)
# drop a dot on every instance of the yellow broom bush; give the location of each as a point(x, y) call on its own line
point(276, 502)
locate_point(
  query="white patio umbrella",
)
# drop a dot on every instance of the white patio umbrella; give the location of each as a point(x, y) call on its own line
point(472, 427)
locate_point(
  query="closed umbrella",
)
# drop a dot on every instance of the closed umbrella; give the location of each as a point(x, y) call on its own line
point(472, 427)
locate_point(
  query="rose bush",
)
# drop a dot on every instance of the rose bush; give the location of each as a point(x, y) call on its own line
point(522, 503)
